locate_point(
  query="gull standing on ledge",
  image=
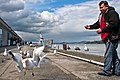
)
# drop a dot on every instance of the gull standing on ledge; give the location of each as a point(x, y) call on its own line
point(86, 48)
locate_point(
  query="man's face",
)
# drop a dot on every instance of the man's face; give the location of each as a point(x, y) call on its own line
point(103, 8)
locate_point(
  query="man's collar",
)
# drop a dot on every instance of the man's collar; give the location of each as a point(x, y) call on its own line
point(106, 11)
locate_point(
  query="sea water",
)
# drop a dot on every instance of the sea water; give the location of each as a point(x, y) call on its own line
point(95, 49)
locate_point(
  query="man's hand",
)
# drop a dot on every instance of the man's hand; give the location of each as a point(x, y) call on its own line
point(99, 31)
point(87, 27)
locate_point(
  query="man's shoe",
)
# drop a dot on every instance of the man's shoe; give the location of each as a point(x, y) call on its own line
point(117, 74)
point(104, 74)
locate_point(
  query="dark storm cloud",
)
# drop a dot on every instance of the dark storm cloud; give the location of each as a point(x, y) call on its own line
point(11, 5)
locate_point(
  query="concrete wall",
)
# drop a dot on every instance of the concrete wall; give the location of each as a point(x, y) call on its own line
point(4, 38)
point(8, 35)
point(0, 37)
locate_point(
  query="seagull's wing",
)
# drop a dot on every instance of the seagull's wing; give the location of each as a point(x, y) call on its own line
point(38, 50)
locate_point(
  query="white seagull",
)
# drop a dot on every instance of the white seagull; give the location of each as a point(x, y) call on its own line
point(5, 52)
point(28, 54)
point(17, 58)
point(86, 48)
point(37, 57)
point(54, 51)
point(29, 63)
point(18, 47)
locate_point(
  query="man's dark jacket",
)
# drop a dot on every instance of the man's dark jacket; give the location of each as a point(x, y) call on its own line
point(112, 18)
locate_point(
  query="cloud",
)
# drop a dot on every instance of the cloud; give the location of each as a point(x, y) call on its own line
point(74, 36)
point(34, 1)
point(11, 5)
point(28, 36)
point(67, 20)
point(76, 16)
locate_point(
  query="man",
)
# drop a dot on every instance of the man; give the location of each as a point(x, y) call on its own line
point(108, 27)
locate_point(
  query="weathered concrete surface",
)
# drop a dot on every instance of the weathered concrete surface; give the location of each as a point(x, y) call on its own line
point(83, 70)
point(47, 71)
point(53, 67)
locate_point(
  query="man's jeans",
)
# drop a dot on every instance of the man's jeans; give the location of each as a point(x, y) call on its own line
point(112, 62)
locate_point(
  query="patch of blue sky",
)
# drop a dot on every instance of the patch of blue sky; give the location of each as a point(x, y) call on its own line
point(49, 5)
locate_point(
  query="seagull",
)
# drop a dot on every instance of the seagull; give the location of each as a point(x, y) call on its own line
point(41, 39)
point(55, 51)
point(54, 46)
point(17, 57)
point(68, 48)
point(41, 57)
point(18, 47)
point(5, 52)
point(28, 54)
point(77, 48)
point(39, 54)
point(29, 63)
point(21, 52)
point(86, 48)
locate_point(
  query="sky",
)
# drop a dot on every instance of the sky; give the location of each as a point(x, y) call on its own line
point(60, 20)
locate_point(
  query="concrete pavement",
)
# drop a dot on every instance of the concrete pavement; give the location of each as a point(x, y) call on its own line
point(54, 67)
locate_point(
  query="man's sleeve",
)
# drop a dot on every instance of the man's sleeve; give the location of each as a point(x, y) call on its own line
point(112, 22)
point(95, 25)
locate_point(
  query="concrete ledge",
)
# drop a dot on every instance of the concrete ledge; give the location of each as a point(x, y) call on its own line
point(83, 59)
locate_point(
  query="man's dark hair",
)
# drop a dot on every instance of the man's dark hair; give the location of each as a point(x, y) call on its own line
point(103, 2)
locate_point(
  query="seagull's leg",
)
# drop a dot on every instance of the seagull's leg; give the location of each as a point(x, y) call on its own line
point(33, 72)
point(21, 65)
point(41, 58)
point(18, 68)
point(39, 62)
point(24, 72)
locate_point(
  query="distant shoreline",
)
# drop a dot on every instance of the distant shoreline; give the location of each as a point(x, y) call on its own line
point(82, 42)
